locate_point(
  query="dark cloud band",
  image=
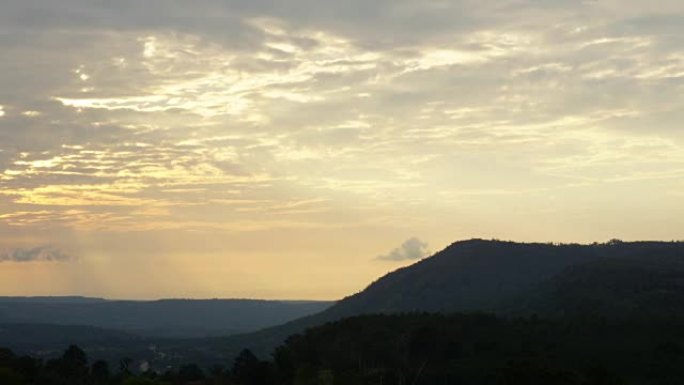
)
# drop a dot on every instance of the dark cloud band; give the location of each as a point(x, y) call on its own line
point(43, 254)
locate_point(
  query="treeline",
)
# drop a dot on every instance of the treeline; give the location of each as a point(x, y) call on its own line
point(73, 368)
point(483, 349)
point(414, 349)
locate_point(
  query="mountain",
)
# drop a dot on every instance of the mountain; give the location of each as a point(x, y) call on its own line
point(646, 281)
point(602, 280)
point(163, 318)
point(513, 278)
point(474, 275)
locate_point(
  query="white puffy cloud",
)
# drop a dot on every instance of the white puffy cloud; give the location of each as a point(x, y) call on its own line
point(411, 249)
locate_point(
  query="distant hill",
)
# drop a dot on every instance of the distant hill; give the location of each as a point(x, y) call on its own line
point(163, 318)
point(51, 300)
point(612, 279)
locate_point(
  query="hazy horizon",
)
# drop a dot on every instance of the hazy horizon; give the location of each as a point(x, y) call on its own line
point(302, 149)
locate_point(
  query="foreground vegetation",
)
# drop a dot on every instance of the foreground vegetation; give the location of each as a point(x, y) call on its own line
point(413, 349)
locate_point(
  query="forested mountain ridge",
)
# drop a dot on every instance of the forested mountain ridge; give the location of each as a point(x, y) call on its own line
point(514, 279)
point(645, 284)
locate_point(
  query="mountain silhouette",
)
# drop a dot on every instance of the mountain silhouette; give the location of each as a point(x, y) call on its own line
point(614, 279)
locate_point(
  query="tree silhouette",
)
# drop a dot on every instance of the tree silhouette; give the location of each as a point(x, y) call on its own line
point(100, 372)
point(248, 370)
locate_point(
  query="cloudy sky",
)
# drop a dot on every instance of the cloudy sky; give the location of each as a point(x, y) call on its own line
point(302, 148)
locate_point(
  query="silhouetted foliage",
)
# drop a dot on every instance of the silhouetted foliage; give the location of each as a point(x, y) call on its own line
point(415, 349)
point(100, 372)
point(249, 370)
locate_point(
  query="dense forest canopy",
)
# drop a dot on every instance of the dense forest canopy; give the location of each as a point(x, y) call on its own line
point(410, 349)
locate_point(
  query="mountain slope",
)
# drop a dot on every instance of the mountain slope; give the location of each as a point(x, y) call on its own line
point(504, 278)
point(473, 275)
point(508, 277)
point(647, 283)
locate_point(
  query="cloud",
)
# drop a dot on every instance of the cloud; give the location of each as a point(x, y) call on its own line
point(43, 254)
point(411, 249)
point(119, 117)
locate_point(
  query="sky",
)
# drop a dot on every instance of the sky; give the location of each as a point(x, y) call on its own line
point(300, 149)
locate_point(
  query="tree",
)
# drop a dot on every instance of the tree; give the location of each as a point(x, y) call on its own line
point(71, 367)
point(190, 372)
point(248, 370)
point(100, 372)
point(6, 357)
point(10, 377)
